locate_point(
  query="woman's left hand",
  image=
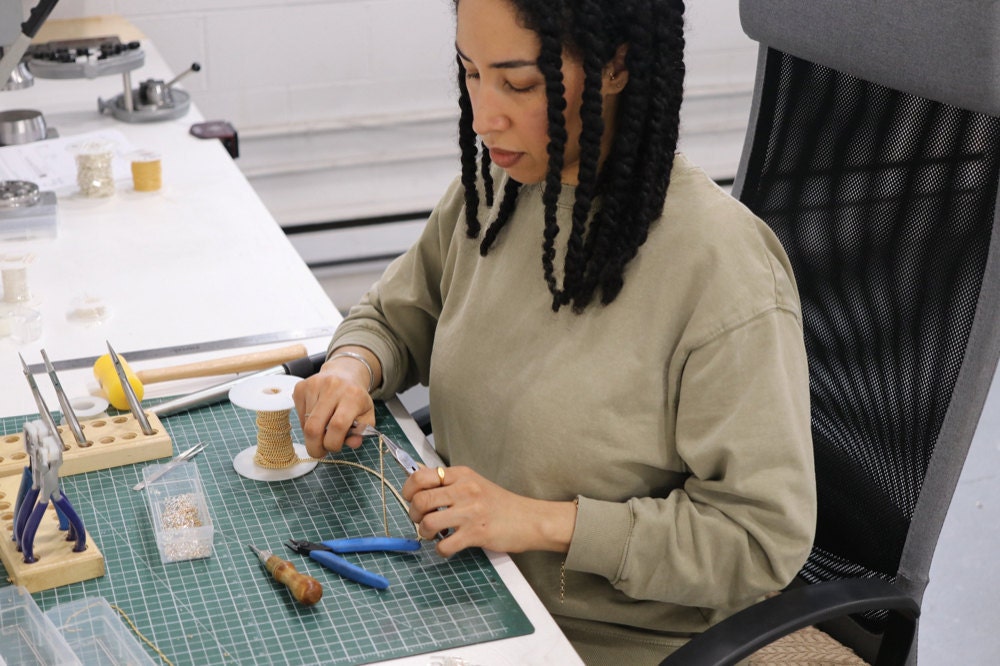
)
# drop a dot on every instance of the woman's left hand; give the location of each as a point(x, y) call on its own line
point(480, 513)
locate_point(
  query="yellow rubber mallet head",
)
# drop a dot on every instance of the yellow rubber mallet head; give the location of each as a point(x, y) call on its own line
point(104, 371)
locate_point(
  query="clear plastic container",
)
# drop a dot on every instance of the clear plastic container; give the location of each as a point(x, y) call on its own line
point(96, 633)
point(177, 504)
point(26, 635)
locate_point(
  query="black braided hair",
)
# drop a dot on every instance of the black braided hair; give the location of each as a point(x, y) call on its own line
point(487, 178)
point(550, 61)
point(468, 145)
point(507, 205)
point(595, 55)
point(625, 195)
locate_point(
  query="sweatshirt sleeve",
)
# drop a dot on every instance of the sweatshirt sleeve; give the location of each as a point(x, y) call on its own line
point(742, 523)
point(396, 319)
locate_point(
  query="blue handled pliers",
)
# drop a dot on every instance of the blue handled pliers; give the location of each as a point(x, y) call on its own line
point(45, 455)
point(325, 553)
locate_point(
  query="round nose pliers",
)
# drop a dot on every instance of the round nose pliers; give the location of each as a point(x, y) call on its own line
point(326, 553)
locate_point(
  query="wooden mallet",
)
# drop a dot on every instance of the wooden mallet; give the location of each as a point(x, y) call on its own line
point(104, 370)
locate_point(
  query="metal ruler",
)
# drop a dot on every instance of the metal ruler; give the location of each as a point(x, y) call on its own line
point(193, 348)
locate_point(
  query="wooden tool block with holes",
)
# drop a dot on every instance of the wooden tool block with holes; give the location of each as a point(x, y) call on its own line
point(56, 564)
point(112, 441)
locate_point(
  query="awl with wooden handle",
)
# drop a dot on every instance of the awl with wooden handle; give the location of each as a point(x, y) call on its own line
point(305, 589)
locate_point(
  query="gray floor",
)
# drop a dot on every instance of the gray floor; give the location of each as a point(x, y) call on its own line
point(960, 623)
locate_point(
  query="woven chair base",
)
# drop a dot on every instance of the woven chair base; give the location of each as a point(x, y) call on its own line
point(806, 647)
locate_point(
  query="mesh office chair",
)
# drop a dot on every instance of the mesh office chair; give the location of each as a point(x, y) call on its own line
point(874, 152)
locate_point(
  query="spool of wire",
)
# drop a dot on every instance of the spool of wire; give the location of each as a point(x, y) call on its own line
point(15, 284)
point(275, 457)
point(14, 277)
point(147, 171)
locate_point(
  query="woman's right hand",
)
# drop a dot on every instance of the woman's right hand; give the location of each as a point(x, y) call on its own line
point(328, 404)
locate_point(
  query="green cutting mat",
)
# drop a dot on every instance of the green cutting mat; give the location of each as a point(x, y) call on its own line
point(227, 609)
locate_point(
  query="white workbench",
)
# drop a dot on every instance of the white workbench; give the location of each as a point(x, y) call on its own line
point(200, 260)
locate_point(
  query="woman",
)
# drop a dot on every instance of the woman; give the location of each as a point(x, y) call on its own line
point(613, 345)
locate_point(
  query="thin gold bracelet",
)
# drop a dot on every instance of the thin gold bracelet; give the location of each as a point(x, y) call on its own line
point(562, 565)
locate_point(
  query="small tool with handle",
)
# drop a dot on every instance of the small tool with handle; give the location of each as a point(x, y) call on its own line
point(67, 409)
point(402, 457)
point(305, 589)
point(325, 554)
point(114, 389)
point(45, 453)
point(133, 400)
point(222, 366)
point(43, 409)
point(29, 476)
point(181, 457)
point(305, 366)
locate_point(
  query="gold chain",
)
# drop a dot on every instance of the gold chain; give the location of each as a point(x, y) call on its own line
point(138, 633)
point(381, 471)
point(275, 451)
point(274, 441)
point(380, 475)
point(562, 565)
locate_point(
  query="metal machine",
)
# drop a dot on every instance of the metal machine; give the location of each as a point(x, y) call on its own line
point(15, 38)
point(25, 211)
point(151, 101)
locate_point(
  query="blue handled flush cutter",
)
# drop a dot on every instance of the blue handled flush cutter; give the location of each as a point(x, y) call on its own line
point(45, 453)
point(325, 553)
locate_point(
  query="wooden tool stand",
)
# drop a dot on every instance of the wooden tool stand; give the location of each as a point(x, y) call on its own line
point(111, 442)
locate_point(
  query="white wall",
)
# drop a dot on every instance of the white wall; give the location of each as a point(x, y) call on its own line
point(346, 108)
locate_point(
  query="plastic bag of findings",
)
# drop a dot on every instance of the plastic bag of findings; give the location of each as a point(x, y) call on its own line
point(179, 510)
point(94, 172)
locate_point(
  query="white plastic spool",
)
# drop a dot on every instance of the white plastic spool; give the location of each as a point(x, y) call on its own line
point(268, 394)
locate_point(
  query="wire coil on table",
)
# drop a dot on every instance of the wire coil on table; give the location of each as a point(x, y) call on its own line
point(275, 457)
point(15, 284)
point(147, 171)
point(274, 440)
point(14, 277)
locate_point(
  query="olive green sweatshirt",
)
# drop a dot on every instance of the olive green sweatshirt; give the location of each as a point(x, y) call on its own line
point(678, 415)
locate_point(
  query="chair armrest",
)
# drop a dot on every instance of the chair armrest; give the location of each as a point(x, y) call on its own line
point(742, 634)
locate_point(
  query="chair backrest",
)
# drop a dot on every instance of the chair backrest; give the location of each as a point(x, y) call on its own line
point(874, 153)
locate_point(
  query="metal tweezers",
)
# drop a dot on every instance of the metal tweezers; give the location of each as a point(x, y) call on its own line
point(186, 455)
